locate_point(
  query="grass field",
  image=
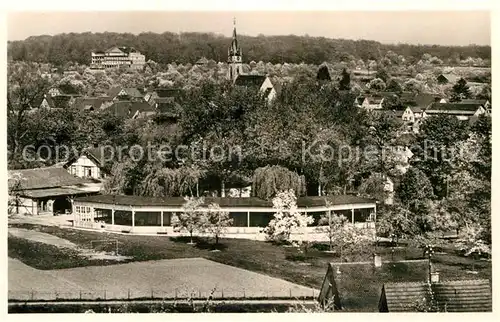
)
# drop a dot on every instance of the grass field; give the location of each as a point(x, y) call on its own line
point(281, 262)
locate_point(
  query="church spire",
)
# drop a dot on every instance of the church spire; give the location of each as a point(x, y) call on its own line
point(234, 49)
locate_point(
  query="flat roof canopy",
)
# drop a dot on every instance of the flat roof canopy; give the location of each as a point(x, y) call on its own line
point(227, 202)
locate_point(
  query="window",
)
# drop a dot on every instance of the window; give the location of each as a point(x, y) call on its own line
point(77, 208)
point(73, 170)
point(87, 171)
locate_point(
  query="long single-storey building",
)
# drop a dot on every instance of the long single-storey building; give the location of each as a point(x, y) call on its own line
point(138, 214)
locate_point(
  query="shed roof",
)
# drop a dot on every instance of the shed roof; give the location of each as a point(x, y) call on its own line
point(132, 92)
point(53, 192)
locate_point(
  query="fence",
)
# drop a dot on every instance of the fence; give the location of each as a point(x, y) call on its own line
point(155, 294)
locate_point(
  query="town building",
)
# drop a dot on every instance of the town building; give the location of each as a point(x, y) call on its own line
point(139, 214)
point(115, 57)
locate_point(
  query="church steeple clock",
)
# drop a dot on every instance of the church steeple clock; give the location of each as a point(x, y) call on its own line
point(234, 58)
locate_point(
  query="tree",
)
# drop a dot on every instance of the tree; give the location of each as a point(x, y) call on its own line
point(25, 89)
point(376, 84)
point(330, 224)
point(323, 74)
point(270, 180)
point(382, 74)
point(345, 81)
point(393, 86)
point(216, 221)
point(350, 239)
point(414, 187)
point(460, 91)
point(470, 241)
point(395, 222)
point(287, 217)
point(191, 219)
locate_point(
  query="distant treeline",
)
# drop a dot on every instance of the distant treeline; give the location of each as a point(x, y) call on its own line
point(188, 47)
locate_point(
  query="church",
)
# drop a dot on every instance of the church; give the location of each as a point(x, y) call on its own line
point(239, 78)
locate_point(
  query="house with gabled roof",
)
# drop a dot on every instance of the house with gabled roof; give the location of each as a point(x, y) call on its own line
point(372, 102)
point(447, 79)
point(57, 102)
point(131, 109)
point(125, 94)
point(92, 103)
point(260, 82)
point(89, 163)
point(462, 111)
point(162, 93)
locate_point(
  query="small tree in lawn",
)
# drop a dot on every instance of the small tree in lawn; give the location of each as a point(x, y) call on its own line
point(216, 221)
point(190, 219)
point(287, 217)
point(350, 239)
point(470, 242)
point(331, 225)
point(395, 222)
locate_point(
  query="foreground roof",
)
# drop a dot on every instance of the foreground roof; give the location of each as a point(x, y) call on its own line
point(449, 296)
point(313, 201)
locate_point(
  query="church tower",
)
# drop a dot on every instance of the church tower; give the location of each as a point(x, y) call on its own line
point(234, 58)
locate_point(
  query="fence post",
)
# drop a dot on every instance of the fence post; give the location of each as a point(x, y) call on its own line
point(32, 295)
point(104, 294)
point(244, 295)
point(80, 294)
point(222, 291)
point(129, 294)
point(176, 294)
point(152, 294)
point(290, 293)
point(199, 294)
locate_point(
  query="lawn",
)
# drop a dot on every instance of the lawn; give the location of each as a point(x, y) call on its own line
point(281, 262)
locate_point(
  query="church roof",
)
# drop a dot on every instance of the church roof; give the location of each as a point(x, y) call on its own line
point(250, 80)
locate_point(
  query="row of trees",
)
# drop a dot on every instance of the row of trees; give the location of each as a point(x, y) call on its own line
point(189, 47)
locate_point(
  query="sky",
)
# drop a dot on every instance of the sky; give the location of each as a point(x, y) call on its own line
point(414, 27)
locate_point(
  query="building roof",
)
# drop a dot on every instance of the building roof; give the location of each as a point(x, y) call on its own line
point(423, 100)
point(59, 101)
point(132, 92)
point(202, 61)
point(403, 297)
point(53, 192)
point(452, 108)
point(42, 178)
point(223, 202)
point(87, 103)
point(375, 99)
point(449, 296)
point(250, 80)
point(168, 105)
point(450, 78)
point(129, 108)
point(473, 101)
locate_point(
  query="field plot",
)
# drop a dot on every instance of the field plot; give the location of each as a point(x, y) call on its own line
point(182, 278)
